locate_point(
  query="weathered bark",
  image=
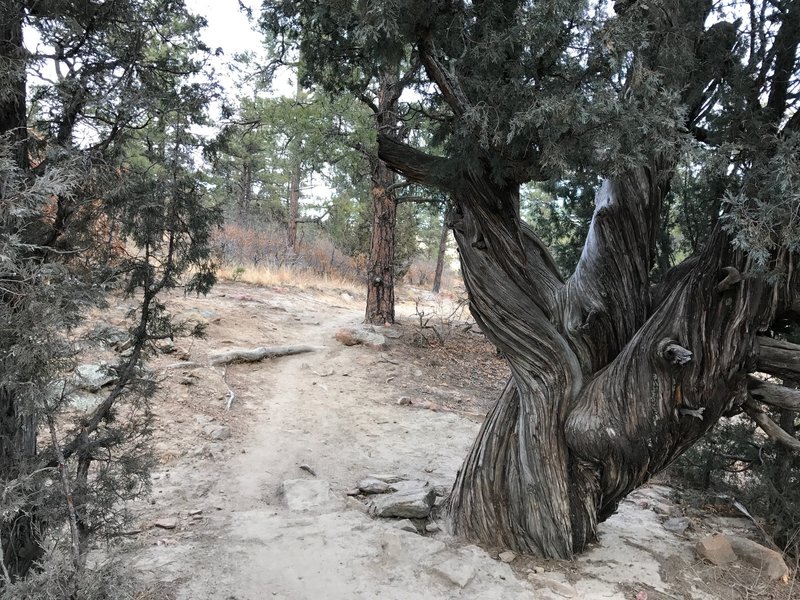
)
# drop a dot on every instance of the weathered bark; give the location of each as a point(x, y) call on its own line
point(775, 395)
point(612, 378)
point(13, 59)
point(779, 358)
point(380, 275)
point(380, 278)
point(440, 254)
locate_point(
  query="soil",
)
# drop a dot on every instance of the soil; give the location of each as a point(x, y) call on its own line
point(410, 408)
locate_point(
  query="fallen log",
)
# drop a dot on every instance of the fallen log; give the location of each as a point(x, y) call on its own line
point(256, 354)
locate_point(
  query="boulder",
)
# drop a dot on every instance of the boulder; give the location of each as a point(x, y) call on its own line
point(716, 549)
point(768, 561)
point(411, 503)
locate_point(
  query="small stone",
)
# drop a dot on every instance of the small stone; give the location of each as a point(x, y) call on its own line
point(767, 561)
point(406, 525)
point(198, 511)
point(716, 549)
point(386, 477)
point(507, 556)
point(217, 432)
point(432, 527)
point(360, 336)
point(409, 504)
point(404, 401)
point(353, 492)
point(370, 485)
point(561, 589)
point(166, 523)
point(538, 569)
point(677, 524)
point(456, 571)
point(308, 469)
point(353, 504)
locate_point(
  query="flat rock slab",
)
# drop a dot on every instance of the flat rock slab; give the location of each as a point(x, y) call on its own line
point(411, 503)
point(455, 570)
point(307, 494)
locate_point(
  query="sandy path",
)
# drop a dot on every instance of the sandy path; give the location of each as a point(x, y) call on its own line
point(336, 411)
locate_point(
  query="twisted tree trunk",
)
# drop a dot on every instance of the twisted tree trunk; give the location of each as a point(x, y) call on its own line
point(612, 378)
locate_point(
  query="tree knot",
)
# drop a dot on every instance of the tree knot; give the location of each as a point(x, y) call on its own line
point(732, 277)
point(673, 352)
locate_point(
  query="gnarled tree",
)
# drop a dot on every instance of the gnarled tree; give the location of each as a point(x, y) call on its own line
point(614, 373)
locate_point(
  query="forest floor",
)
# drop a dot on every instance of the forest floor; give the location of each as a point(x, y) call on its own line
point(411, 408)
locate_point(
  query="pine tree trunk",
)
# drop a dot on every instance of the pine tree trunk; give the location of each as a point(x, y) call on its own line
point(294, 209)
point(20, 543)
point(13, 62)
point(380, 278)
point(437, 276)
point(380, 275)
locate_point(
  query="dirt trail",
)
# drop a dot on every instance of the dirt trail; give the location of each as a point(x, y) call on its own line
point(335, 410)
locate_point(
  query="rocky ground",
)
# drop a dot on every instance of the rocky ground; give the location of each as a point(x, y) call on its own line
point(263, 500)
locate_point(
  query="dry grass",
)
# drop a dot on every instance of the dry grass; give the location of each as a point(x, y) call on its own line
point(289, 276)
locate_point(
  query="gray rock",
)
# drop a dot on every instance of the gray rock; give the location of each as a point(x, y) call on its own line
point(677, 524)
point(507, 556)
point(413, 503)
point(371, 485)
point(92, 377)
point(456, 571)
point(432, 527)
point(406, 525)
point(305, 494)
point(217, 432)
